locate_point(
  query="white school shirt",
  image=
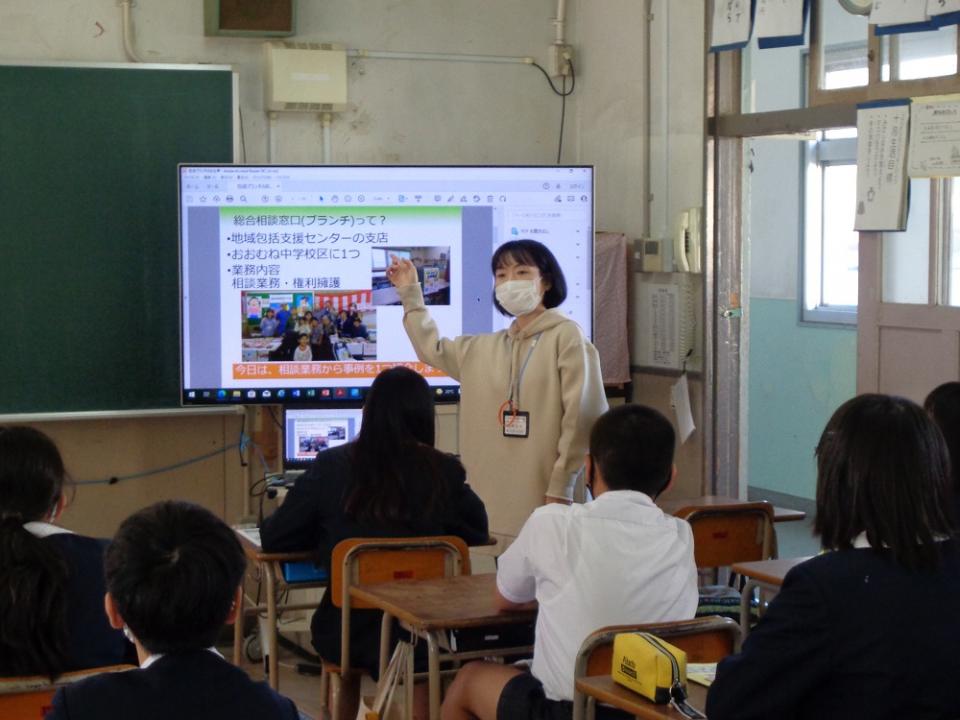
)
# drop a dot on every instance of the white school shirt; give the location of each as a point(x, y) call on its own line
point(616, 560)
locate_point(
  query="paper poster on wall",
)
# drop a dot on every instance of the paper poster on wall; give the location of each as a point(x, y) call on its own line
point(780, 23)
point(944, 12)
point(730, 25)
point(881, 165)
point(934, 149)
point(898, 12)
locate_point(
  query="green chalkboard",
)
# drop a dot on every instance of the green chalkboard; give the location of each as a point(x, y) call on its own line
point(88, 238)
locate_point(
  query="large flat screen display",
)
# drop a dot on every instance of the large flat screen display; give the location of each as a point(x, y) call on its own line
point(271, 253)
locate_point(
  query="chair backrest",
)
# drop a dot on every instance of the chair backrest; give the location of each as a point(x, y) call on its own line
point(728, 534)
point(705, 640)
point(371, 561)
point(30, 698)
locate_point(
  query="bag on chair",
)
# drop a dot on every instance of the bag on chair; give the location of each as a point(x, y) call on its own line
point(381, 705)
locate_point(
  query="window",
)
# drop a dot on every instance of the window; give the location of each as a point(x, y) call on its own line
point(831, 246)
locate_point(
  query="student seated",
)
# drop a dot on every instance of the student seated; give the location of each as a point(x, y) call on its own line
point(867, 629)
point(389, 482)
point(173, 570)
point(615, 560)
point(51, 580)
point(943, 405)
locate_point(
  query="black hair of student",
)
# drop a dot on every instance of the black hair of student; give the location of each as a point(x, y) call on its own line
point(943, 405)
point(531, 252)
point(173, 570)
point(302, 335)
point(33, 575)
point(396, 470)
point(632, 447)
point(883, 470)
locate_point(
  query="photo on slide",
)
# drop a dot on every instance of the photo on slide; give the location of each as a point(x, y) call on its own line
point(339, 326)
point(433, 273)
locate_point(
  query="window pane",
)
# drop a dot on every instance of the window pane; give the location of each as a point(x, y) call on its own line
point(924, 54)
point(840, 260)
point(844, 47)
point(906, 255)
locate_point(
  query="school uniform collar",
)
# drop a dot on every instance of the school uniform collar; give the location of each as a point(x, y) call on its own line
point(41, 529)
point(151, 659)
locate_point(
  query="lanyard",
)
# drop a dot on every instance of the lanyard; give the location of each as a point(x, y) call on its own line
point(515, 384)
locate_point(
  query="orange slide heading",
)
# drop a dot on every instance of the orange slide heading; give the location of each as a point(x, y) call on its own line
point(323, 370)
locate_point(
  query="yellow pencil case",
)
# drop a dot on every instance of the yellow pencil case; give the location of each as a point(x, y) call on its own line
point(649, 666)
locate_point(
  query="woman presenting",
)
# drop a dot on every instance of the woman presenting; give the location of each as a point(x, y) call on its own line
point(529, 394)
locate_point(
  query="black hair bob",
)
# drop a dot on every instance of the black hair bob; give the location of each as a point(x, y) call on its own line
point(883, 470)
point(531, 252)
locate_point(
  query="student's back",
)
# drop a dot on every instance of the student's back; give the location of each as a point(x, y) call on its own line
point(185, 686)
point(51, 580)
point(390, 482)
point(172, 572)
point(616, 560)
point(866, 629)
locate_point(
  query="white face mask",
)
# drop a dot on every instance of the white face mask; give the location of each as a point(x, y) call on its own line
point(519, 297)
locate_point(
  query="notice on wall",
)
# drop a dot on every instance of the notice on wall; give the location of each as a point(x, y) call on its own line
point(898, 12)
point(780, 23)
point(881, 165)
point(942, 7)
point(935, 139)
point(680, 400)
point(730, 25)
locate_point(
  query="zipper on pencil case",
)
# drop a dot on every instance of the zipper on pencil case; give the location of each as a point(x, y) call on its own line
point(678, 695)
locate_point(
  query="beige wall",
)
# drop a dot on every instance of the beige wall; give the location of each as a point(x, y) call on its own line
point(400, 111)
point(101, 449)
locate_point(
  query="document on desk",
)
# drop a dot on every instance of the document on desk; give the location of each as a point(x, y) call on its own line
point(935, 138)
point(250, 533)
point(881, 165)
point(702, 673)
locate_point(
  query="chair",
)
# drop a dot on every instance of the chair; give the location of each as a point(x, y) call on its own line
point(705, 640)
point(371, 561)
point(30, 697)
point(724, 535)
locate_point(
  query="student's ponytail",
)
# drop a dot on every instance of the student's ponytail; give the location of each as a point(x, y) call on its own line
point(33, 574)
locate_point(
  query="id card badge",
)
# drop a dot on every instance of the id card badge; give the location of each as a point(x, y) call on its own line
point(516, 424)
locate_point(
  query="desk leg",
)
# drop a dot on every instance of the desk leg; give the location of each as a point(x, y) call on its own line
point(433, 666)
point(238, 626)
point(746, 595)
point(271, 639)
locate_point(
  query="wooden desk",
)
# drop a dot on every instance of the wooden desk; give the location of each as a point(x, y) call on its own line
point(269, 567)
point(767, 575)
point(429, 608)
point(602, 688)
point(673, 506)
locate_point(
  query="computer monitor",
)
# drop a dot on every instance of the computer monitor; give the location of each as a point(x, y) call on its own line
point(308, 431)
point(264, 246)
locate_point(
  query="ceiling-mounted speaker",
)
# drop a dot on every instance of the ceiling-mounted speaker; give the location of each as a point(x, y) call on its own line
point(249, 18)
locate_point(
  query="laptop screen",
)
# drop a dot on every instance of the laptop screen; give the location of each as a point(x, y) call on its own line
point(307, 431)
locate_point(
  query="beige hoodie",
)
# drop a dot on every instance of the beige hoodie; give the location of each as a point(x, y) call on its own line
point(561, 388)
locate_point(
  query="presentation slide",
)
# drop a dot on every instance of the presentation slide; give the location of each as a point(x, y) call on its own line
point(285, 296)
point(308, 431)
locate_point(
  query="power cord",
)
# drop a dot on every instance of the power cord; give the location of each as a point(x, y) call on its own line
point(563, 93)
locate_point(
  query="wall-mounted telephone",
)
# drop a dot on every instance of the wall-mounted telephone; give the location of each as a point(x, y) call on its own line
point(687, 240)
